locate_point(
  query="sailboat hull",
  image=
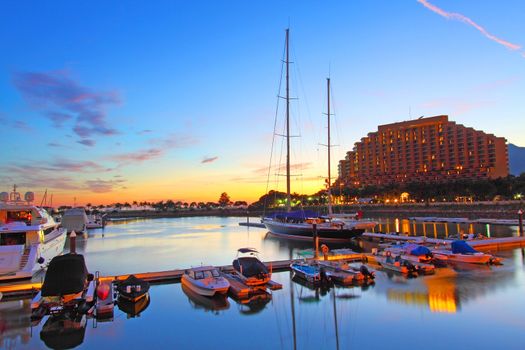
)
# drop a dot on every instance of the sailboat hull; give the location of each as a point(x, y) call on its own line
point(304, 232)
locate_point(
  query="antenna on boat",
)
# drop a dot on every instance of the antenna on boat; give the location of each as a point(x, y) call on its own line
point(288, 197)
point(330, 212)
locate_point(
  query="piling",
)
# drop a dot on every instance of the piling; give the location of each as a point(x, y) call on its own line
point(316, 241)
point(73, 242)
point(520, 224)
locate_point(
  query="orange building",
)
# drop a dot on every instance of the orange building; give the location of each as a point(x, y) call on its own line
point(431, 149)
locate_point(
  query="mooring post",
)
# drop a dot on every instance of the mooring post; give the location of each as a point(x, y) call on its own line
point(247, 217)
point(316, 241)
point(73, 242)
point(520, 219)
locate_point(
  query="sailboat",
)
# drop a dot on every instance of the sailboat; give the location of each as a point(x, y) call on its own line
point(303, 224)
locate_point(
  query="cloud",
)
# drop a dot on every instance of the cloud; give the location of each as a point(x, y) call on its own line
point(15, 124)
point(145, 131)
point(103, 186)
point(61, 99)
point(54, 144)
point(464, 19)
point(87, 142)
point(282, 168)
point(161, 146)
point(209, 160)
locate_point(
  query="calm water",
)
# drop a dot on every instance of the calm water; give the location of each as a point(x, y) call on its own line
point(462, 307)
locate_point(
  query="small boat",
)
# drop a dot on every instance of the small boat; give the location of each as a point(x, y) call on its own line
point(67, 286)
point(251, 270)
point(133, 308)
point(397, 264)
point(462, 252)
point(132, 289)
point(105, 303)
point(75, 219)
point(343, 273)
point(95, 221)
point(311, 273)
point(414, 253)
point(205, 280)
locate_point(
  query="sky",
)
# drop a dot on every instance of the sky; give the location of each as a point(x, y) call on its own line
point(114, 101)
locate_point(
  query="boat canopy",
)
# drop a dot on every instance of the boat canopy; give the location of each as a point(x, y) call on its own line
point(420, 251)
point(295, 215)
point(462, 247)
point(66, 274)
point(247, 250)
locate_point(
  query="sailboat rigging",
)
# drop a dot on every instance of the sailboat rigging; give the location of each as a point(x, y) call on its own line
point(297, 225)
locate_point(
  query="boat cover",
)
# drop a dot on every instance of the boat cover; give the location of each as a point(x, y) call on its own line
point(420, 251)
point(133, 282)
point(66, 274)
point(251, 266)
point(247, 250)
point(462, 247)
point(295, 215)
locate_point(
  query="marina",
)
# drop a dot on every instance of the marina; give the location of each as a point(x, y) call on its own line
point(447, 291)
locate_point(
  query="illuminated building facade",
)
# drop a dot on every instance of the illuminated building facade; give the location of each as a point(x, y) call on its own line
point(431, 149)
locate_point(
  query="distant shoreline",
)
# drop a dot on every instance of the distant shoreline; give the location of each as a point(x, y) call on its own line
point(493, 210)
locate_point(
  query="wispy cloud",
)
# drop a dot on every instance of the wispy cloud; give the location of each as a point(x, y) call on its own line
point(209, 159)
point(160, 147)
point(61, 99)
point(145, 131)
point(15, 124)
point(282, 168)
point(54, 144)
point(87, 142)
point(104, 186)
point(464, 19)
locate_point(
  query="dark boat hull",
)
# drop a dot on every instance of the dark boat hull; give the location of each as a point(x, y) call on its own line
point(305, 232)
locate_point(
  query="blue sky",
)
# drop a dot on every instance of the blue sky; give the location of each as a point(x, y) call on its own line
point(135, 100)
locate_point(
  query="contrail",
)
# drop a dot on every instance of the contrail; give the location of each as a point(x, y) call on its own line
point(460, 17)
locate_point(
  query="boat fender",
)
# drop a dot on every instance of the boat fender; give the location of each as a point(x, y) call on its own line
point(41, 260)
point(388, 253)
point(324, 249)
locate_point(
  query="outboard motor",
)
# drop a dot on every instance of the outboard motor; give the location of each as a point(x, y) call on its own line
point(364, 270)
point(411, 268)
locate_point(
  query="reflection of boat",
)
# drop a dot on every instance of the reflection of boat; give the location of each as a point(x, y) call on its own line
point(29, 236)
point(252, 271)
point(254, 304)
point(75, 219)
point(205, 280)
point(132, 288)
point(215, 303)
point(15, 325)
point(462, 252)
point(133, 309)
point(67, 286)
point(63, 331)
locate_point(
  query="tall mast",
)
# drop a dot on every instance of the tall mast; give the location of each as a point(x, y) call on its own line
point(328, 146)
point(288, 197)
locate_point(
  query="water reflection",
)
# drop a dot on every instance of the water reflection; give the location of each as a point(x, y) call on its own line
point(215, 304)
point(133, 309)
point(456, 300)
point(64, 331)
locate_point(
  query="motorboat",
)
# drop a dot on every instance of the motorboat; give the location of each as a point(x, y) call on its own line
point(95, 221)
point(312, 273)
point(205, 280)
point(75, 219)
point(67, 287)
point(462, 252)
point(396, 264)
point(132, 289)
point(133, 309)
point(343, 273)
point(412, 252)
point(29, 236)
point(251, 270)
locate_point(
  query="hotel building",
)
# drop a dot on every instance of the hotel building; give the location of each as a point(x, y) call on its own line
point(431, 149)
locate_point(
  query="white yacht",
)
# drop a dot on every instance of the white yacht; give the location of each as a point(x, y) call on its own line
point(29, 236)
